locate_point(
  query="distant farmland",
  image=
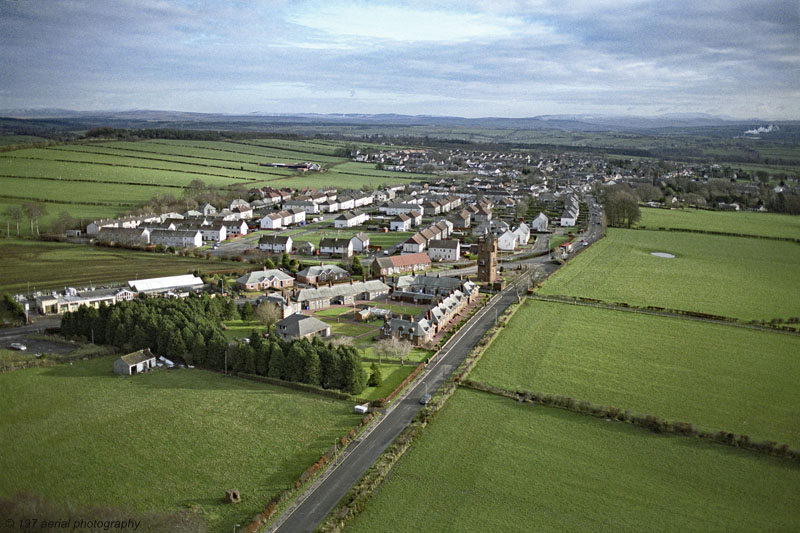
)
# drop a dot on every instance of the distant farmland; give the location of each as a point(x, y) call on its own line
point(739, 277)
point(747, 223)
point(487, 463)
point(107, 177)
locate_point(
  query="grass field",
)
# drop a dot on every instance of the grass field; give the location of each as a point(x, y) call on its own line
point(392, 375)
point(715, 376)
point(731, 276)
point(50, 265)
point(490, 464)
point(132, 172)
point(748, 223)
point(167, 440)
point(238, 329)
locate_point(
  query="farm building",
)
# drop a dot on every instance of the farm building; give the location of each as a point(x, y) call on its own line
point(135, 363)
point(184, 283)
point(260, 280)
point(298, 326)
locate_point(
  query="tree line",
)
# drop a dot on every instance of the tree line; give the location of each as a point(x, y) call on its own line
point(189, 331)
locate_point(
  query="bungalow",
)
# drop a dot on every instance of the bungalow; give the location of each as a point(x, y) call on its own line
point(360, 242)
point(401, 222)
point(135, 363)
point(260, 280)
point(322, 274)
point(272, 221)
point(350, 219)
point(275, 243)
point(342, 247)
point(298, 326)
point(400, 264)
point(444, 250)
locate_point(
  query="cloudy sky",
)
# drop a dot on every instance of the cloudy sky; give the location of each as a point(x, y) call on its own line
point(472, 59)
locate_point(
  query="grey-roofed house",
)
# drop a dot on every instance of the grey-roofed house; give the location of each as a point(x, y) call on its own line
point(444, 250)
point(322, 274)
point(275, 243)
point(341, 294)
point(260, 280)
point(298, 326)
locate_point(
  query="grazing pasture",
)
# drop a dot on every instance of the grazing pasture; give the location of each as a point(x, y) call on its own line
point(749, 279)
point(717, 377)
point(165, 441)
point(487, 463)
point(746, 222)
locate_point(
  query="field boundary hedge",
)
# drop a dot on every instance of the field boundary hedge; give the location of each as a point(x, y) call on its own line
point(309, 475)
point(775, 324)
point(304, 387)
point(650, 422)
point(718, 233)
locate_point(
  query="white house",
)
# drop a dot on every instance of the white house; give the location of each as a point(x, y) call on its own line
point(400, 223)
point(540, 222)
point(415, 244)
point(508, 241)
point(306, 205)
point(346, 202)
point(350, 219)
point(444, 250)
point(360, 242)
point(523, 233)
point(235, 228)
point(272, 221)
point(342, 247)
point(178, 238)
point(275, 243)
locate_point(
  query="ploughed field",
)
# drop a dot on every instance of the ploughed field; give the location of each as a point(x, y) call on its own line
point(487, 463)
point(167, 440)
point(744, 278)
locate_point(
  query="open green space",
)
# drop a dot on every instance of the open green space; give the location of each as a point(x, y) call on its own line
point(53, 266)
point(745, 222)
point(348, 329)
point(393, 376)
point(238, 329)
point(333, 311)
point(165, 441)
point(717, 377)
point(750, 279)
point(399, 308)
point(489, 464)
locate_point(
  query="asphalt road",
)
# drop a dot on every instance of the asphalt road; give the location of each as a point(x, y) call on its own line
point(315, 504)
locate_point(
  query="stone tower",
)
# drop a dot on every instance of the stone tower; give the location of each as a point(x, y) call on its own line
point(487, 259)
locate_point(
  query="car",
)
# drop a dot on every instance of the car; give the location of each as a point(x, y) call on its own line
point(425, 399)
point(18, 346)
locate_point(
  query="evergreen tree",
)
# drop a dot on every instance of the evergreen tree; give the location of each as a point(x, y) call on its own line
point(247, 312)
point(276, 362)
point(175, 347)
point(329, 368)
point(198, 349)
point(311, 367)
point(375, 377)
point(294, 362)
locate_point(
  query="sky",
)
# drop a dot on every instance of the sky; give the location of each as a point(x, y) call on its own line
point(731, 58)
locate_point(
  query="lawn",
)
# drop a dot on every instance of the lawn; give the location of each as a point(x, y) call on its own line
point(718, 377)
point(53, 266)
point(349, 329)
point(392, 375)
point(400, 309)
point(333, 311)
point(490, 464)
point(163, 441)
point(748, 223)
point(238, 329)
point(731, 276)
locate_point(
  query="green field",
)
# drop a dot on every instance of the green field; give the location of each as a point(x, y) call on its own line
point(747, 223)
point(167, 440)
point(717, 377)
point(392, 375)
point(490, 464)
point(53, 266)
point(133, 172)
point(750, 279)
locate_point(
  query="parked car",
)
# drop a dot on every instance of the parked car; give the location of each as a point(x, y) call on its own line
point(425, 399)
point(18, 346)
